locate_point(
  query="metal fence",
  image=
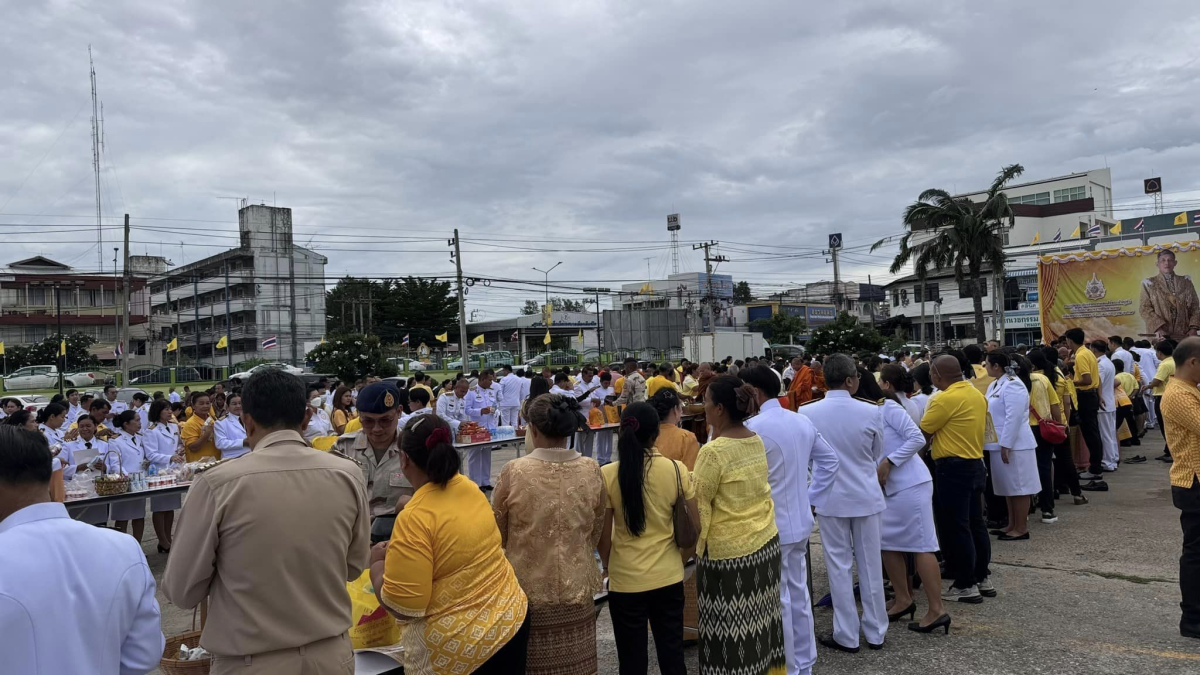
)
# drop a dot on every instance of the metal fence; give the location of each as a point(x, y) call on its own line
point(647, 331)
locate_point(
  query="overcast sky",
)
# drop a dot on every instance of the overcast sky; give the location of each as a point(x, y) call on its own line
point(573, 125)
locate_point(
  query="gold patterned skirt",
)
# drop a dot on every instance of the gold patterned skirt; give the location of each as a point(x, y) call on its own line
point(562, 640)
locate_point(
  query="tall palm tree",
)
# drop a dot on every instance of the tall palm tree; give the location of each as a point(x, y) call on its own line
point(943, 231)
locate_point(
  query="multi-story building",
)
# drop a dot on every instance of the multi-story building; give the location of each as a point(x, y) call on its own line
point(36, 294)
point(266, 290)
point(864, 301)
point(675, 292)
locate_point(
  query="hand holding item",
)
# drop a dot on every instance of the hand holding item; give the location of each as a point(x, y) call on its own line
point(379, 552)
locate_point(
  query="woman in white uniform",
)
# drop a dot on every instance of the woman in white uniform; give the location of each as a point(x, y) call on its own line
point(908, 525)
point(127, 453)
point(1014, 458)
point(230, 434)
point(84, 452)
point(162, 439)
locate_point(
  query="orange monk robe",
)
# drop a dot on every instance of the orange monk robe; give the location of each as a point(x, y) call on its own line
point(819, 384)
point(800, 391)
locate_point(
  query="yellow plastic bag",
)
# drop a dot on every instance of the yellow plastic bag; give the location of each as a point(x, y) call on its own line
point(611, 414)
point(595, 417)
point(370, 623)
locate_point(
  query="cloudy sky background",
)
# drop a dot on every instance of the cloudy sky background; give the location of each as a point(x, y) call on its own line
point(575, 126)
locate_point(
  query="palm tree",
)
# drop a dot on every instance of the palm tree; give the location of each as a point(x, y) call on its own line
point(943, 231)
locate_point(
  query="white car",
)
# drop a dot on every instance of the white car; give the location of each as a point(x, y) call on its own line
point(30, 402)
point(46, 377)
point(242, 377)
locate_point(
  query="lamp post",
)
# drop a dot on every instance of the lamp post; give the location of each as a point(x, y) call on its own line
point(549, 311)
point(597, 292)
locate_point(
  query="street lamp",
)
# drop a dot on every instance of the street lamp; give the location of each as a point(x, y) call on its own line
point(547, 273)
point(597, 292)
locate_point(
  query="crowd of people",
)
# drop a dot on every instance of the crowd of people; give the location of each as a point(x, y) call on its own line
point(912, 464)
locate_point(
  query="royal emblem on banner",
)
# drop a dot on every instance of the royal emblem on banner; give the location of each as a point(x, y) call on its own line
point(1094, 290)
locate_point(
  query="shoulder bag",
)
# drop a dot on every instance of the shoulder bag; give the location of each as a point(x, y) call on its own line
point(686, 534)
point(1052, 431)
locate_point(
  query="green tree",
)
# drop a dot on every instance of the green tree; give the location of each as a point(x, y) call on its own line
point(352, 357)
point(531, 307)
point(351, 304)
point(780, 328)
point(845, 335)
point(45, 353)
point(418, 308)
point(741, 293)
point(944, 231)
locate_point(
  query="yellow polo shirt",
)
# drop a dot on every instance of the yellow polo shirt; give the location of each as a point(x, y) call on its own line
point(1166, 368)
point(1085, 362)
point(956, 418)
point(651, 560)
point(189, 432)
point(659, 382)
point(981, 381)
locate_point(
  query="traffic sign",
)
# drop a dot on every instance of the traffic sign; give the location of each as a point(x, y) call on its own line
point(835, 240)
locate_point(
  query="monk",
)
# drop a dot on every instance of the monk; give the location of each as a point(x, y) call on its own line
point(801, 389)
point(819, 387)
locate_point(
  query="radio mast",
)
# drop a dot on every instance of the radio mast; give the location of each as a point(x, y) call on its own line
point(96, 163)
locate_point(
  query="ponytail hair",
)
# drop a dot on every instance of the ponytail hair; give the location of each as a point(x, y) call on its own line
point(639, 430)
point(49, 411)
point(429, 443)
point(738, 399)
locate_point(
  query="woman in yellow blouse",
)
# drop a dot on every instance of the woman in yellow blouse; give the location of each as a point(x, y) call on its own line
point(689, 382)
point(637, 545)
point(343, 409)
point(443, 573)
point(549, 506)
point(1043, 398)
point(673, 442)
point(741, 623)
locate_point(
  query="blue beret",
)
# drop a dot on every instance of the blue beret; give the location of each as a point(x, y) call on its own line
point(378, 398)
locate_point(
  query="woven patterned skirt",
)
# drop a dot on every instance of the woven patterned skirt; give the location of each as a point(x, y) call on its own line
point(741, 621)
point(562, 640)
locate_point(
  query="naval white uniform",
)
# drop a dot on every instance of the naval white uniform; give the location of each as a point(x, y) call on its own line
point(128, 454)
point(479, 459)
point(78, 452)
point(908, 519)
point(452, 409)
point(792, 443)
point(850, 518)
point(1108, 415)
point(230, 437)
point(163, 439)
point(510, 398)
point(1149, 366)
point(1008, 406)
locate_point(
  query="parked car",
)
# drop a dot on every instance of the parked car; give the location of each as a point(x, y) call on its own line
point(243, 376)
point(490, 360)
point(162, 375)
point(30, 402)
point(554, 358)
point(46, 377)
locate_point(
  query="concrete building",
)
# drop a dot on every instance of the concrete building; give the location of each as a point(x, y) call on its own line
point(864, 301)
point(526, 334)
point(674, 292)
point(267, 288)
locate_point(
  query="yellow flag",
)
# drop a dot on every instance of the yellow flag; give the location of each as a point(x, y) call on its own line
point(1, 348)
point(546, 341)
point(62, 348)
point(646, 288)
point(1075, 232)
point(173, 345)
point(1115, 229)
point(444, 337)
point(1181, 219)
point(1037, 236)
point(478, 340)
point(322, 339)
point(223, 342)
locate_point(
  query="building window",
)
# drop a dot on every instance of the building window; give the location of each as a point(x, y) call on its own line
point(895, 297)
point(930, 294)
point(36, 297)
point(1069, 194)
point(966, 285)
point(1038, 198)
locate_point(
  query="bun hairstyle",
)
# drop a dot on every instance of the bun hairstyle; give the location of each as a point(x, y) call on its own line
point(124, 418)
point(664, 401)
point(639, 430)
point(49, 411)
point(429, 443)
point(921, 376)
point(899, 378)
point(737, 398)
point(555, 416)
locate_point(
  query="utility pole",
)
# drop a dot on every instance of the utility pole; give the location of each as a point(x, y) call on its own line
point(709, 259)
point(871, 304)
point(291, 249)
point(196, 309)
point(62, 358)
point(124, 343)
point(228, 329)
point(597, 292)
point(174, 310)
point(462, 305)
point(116, 308)
point(96, 165)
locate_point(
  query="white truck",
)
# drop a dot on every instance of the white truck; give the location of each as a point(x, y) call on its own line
point(713, 347)
point(46, 377)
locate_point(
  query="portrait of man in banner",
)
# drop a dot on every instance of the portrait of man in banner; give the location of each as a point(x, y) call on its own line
point(1169, 304)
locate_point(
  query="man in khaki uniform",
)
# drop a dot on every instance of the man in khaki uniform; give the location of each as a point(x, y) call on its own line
point(376, 449)
point(271, 538)
point(1169, 303)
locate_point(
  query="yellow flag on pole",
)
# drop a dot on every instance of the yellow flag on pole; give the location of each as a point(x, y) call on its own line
point(580, 333)
point(477, 341)
point(1181, 219)
point(546, 341)
point(223, 342)
point(1115, 229)
point(1037, 236)
point(1, 348)
point(62, 348)
point(173, 345)
point(1075, 232)
point(444, 337)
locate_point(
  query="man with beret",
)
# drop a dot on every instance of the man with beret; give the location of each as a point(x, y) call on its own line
point(377, 450)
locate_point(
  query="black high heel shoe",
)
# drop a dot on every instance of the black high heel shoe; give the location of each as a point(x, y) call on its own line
point(940, 622)
point(911, 611)
point(163, 550)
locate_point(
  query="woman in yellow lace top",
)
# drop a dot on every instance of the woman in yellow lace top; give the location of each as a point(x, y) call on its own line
point(443, 572)
point(741, 623)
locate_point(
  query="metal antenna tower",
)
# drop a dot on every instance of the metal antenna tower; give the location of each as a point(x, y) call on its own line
point(96, 163)
point(673, 227)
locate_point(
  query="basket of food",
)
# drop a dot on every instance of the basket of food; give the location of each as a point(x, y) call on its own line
point(693, 409)
point(183, 655)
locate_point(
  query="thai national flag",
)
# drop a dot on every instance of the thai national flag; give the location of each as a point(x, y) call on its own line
point(117, 351)
point(1140, 225)
point(404, 343)
point(269, 343)
point(515, 336)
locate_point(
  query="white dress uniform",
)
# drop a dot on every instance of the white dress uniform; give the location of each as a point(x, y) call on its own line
point(1125, 358)
point(1108, 415)
point(143, 413)
point(479, 459)
point(230, 437)
point(792, 443)
point(908, 519)
point(318, 425)
point(117, 406)
point(174, 397)
point(915, 405)
point(74, 598)
point(850, 517)
point(163, 439)
point(74, 412)
point(585, 440)
point(510, 398)
point(1148, 366)
point(1008, 405)
point(452, 409)
point(604, 439)
point(79, 452)
point(128, 454)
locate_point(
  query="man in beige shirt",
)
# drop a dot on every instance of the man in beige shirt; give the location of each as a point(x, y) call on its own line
point(271, 538)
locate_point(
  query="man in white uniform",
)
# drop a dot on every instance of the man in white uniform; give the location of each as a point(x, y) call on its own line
point(73, 598)
point(792, 442)
point(1117, 348)
point(74, 409)
point(1149, 366)
point(116, 406)
point(588, 383)
point(509, 395)
point(452, 407)
point(850, 517)
point(482, 409)
point(1108, 407)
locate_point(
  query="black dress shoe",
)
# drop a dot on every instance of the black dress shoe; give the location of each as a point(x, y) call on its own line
point(875, 648)
point(1009, 537)
point(911, 611)
point(834, 644)
point(1095, 486)
point(1190, 631)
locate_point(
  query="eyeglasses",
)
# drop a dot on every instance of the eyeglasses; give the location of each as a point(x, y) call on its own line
point(372, 422)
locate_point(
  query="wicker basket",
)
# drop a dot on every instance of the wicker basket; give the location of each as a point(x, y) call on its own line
point(169, 665)
point(108, 488)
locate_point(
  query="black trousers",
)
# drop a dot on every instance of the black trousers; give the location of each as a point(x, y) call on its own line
point(1187, 500)
point(1125, 414)
point(1089, 426)
point(511, 657)
point(995, 507)
point(1162, 424)
point(1045, 465)
point(663, 609)
point(958, 509)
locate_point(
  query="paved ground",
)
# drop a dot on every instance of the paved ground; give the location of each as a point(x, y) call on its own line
point(1096, 592)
